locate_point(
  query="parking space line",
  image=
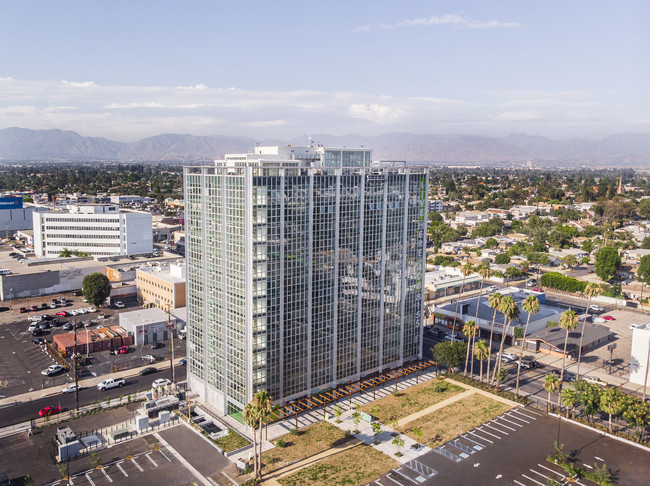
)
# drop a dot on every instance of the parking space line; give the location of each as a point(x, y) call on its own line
point(502, 425)
point(509, 421)
point(516, 418)
point(540, 474)
point(520, 413)
point(404, 475)
point(89, 480)
point(165, 455)
point(467, 438)
point(531, 479)
point(498, 430)
point(137, 465)
point(148, 456)
point(520, 484)
point(120, 468)
point(110, 480)
point(482, 438)
point(551, 470)
point(488, 433)
point(394, 480)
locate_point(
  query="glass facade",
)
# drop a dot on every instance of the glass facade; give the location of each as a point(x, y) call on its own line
point(300, 278)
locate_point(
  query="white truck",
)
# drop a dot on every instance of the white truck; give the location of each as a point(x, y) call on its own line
point(111, 383)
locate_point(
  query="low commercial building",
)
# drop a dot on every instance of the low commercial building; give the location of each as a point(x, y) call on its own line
point(152, 325)
point(551, 340)
point(98, 230)
point(14, 215)
point(466, 310)
point(162, 286)
point(92, 340)
point(446, 281)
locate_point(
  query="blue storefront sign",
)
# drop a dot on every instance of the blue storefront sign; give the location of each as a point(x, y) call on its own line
point(11, 202)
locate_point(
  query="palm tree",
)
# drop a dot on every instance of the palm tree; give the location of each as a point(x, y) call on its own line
point(591, 290)
point(469, 330)
point(251, 418)
point(611, 401)
point(551, 384)
point(531, 306)
point(568, 321)
point(485, 272)
point(467, 269)
point(262, 401)
point(510, 312)
point(494, 301)
point(570, 399)
point(481, 352)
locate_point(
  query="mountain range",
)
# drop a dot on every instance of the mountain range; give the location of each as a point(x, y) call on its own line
point(622, 150)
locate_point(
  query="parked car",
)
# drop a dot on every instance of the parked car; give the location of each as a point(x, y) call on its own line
point(149, 357)
point(47, 411)
point(62, 313)
point(596, 308)
point(147, 371)
point(537, 290)
point(53, 370)
point(44, 325)
point(119, 305)
point(508, 357)
point(101, 316)
point(182, 362)
point(35, 308)
point(530, 364)
point(609, 318)
point(156, 345)
point(67, 326)
point(39, 341)
point(22, 310)
point(38, 332)
point(124, 349)
point(160, 382)
point(568, 376)
point(71, 388)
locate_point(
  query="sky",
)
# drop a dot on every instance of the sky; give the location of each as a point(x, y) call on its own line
point(126, 70)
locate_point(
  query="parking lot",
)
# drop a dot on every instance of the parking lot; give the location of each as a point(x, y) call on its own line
point(512, 449)
point(21, 361)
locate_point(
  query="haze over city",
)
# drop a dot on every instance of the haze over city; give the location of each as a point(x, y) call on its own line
point(126, 70)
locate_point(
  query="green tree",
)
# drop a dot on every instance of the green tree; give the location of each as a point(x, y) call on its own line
point(644, 208)
point(510, 312)
point(568, 321)
point(502, 259)
point(607, 262)
point(96, 288)
point(398, 442)
point(591, 290)
point(643, 272)
point(491, 243)
point(551, 385)
point(251, 416)
point(530, 306)
point(494, 301)
point(611, 403)
point(570, 399)
point(481, 352)
point(65, 253)
point(263, 404)
point(570, 261)
point(637, 414)
point(469, 330)
point(645, 244)
point(448, 353)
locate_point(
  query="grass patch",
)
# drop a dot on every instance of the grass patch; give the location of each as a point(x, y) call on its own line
point(357, 465)
point(413, 399)
point(311, 440)
point(455, 419)
point(231, 442)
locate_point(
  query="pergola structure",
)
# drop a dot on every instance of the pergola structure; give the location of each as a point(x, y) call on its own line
point(322, 399)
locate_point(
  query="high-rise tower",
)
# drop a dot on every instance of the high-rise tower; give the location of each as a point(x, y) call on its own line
point(305, 269)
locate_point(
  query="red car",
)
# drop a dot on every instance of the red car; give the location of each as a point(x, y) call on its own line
point(537, 290)
point(608, 318)
point(62, 313)
point(35, 308)
point(124, 349)
point(49, 411)
point(23, 310)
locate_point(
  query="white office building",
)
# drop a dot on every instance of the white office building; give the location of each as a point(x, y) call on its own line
point(305, 269)
point(99, 230)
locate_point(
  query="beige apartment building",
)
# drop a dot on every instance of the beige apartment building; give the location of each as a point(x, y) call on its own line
point(163, 286)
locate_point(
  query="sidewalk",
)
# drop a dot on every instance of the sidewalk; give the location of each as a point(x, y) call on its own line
point(86, 383)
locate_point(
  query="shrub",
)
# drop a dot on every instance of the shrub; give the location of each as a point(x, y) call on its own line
point(280, 443)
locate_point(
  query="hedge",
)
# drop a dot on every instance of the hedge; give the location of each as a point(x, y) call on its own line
point(556, 280)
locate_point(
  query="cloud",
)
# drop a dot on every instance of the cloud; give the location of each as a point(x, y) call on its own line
point(85, 84)
point(456, 20)
point(375, 112)
point(267, 123)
